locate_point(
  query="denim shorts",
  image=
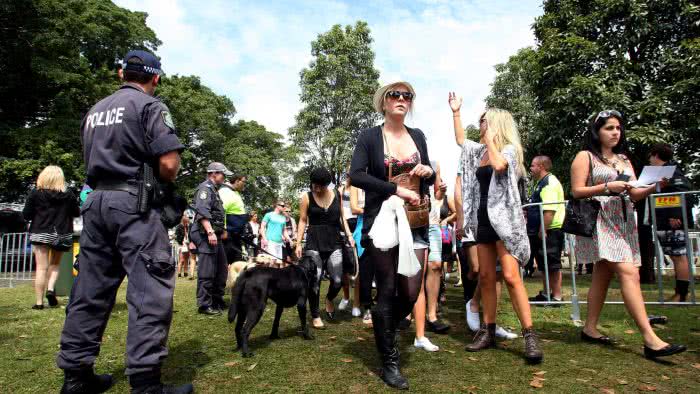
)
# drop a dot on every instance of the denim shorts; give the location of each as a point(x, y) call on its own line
point(435, 236)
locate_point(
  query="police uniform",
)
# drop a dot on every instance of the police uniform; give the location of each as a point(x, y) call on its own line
point(212, 269)
point(119, 134)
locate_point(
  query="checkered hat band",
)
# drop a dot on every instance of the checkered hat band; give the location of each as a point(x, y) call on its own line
point(142, 68)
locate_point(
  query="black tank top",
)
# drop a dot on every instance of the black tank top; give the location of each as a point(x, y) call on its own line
point(323, 233)
point(483, 175)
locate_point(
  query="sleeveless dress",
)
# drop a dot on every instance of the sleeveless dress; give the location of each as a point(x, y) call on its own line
point(615, 237)
point(323, 233)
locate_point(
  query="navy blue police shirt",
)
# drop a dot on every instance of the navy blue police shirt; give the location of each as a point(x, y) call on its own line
point(208, 205)
point(123, 131)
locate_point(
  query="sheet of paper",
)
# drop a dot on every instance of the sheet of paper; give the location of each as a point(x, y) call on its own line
point(653, 174)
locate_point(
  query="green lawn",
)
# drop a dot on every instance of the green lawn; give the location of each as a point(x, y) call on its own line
point(342, 358)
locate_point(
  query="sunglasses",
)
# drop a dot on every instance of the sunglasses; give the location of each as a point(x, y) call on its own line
point(395, 94)
point(607, 114)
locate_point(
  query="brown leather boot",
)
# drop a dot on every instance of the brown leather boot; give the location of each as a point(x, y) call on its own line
point(533, 351)
point(485, 338)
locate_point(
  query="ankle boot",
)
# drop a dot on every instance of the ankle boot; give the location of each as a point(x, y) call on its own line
point(533, 351)
point(385, 338)
point(149, 383)
point(84, 381)
point(682, 289)
point(484, 338)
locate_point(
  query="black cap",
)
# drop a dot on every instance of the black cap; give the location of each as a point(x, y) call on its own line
point(151, 64)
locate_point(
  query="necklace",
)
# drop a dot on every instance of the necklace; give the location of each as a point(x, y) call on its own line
point(325, 202)
point(613, 162)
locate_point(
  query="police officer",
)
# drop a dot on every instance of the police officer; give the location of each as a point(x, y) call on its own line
point(207, 233)
point(119, 134)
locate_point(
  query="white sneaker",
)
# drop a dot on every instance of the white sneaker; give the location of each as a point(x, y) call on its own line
point(343, 304)
point(424, 343)
point(356, 312)
point(473, 320)
point(505, 334)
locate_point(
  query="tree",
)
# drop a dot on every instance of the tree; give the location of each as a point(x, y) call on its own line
point(513, 90)
point(641, 57)
point(57, 57)
point(336, 92)
point(259, 154)
point(202, 119)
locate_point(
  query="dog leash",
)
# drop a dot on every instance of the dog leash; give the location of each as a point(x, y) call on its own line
point(256, 247)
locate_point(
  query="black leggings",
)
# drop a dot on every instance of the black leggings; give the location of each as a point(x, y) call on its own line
point(330, 263)
point(468, 285)
point(366, 278)
point(396, 293)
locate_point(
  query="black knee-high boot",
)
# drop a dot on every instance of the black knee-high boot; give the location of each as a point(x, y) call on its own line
point(682, 289)
point(385, 338)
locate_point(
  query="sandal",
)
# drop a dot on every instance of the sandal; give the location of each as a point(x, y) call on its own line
point(320, 326)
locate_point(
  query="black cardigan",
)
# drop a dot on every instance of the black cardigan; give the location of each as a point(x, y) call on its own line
point(51, 211)
point(368, 172)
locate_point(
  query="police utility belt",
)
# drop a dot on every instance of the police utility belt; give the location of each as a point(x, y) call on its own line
point(151, 194)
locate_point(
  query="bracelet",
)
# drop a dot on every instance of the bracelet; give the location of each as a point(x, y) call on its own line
point(605, 189)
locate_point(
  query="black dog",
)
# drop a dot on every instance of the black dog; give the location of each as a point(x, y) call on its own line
point(287, 287)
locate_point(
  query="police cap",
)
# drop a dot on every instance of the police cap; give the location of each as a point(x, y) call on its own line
point(151, 64)
point(218, 167)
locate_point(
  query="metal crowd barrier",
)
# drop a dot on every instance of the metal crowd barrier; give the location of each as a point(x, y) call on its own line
point(665, 201)
point(655, 201)
point(16, 258)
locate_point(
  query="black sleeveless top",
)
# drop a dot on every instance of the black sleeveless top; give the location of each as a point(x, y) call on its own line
point(483, 176)
point(323, 232)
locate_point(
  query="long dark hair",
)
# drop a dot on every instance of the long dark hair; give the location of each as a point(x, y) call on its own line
point(591, 140)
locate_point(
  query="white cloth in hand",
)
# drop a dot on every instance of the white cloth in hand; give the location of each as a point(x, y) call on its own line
point(391, 228)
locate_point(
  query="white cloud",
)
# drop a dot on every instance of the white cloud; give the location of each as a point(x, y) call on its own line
point(253, 52)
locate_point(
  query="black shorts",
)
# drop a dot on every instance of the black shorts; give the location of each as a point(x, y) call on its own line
point(485, 234)
point(555, 245)
point(447, 255)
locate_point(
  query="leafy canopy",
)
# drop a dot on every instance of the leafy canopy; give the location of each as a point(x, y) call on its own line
point(336, 93)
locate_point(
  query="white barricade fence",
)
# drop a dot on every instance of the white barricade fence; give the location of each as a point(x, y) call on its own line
point(16, 258)
point(655, 201)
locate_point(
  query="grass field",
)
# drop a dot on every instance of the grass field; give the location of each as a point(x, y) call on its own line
point(343, 359)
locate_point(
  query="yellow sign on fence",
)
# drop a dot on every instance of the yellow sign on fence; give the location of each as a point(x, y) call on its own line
point(668, 202)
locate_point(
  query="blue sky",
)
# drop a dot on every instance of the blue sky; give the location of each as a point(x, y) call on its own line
point(253, 52)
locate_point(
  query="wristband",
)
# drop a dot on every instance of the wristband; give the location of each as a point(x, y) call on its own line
point(210, 232)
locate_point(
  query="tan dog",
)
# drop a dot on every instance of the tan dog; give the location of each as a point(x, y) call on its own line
point(234, 270)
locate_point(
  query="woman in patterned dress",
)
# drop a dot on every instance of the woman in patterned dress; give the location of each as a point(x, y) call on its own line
point(614, 246)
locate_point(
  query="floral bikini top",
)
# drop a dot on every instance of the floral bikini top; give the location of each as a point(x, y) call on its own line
point(400, 166)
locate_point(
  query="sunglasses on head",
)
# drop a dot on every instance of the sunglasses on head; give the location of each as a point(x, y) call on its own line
point(395, 94)
point(607, 114)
